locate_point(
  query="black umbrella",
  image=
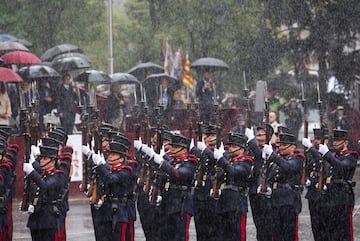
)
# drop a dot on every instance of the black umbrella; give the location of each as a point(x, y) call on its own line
point(66, 55)
point(124, 78)
point(53, 52)
point(70, 63)
point(212, 64)
point(140, 71)
point(40, 71)
point(93, 76)
point(9, 46)
point(155, 80)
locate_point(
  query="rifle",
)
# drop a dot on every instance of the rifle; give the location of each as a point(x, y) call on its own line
point(215, 192)
point(24, 115)
point(93, 190)
point(188, 108)
point(268, 137)
point(306, 125)
point(146, 166)
point(159, 141)
point(84, 140)
point(34, 122)
point(321, 171)
point(248, 107)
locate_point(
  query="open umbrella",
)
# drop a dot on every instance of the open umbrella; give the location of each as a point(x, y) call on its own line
point(39, 72)
point(140, 71)
point(93, 76)
point(155, 80)
point(9, 46)
point(57, 50)
point(212, 64)
point(8, 75)
point(123, 78)
point(20, 57)
point(70, 63)
point(7, 37)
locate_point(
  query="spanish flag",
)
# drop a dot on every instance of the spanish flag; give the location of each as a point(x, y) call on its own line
point(187, 79)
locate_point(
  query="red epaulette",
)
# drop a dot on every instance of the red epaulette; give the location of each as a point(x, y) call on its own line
point(192, 158)
point(13, 150)
point(122, 167)
point(65, 155)
point(349, 152)
point(57, 171)
point(9, 155)
point(242, 159)
point(68, 149)
point(7, 165)
point(298, 153)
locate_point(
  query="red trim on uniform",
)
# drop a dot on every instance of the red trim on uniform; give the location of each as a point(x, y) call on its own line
point(243, 228)
point(132, 231)
point(242, 159)
point(187, 230)
point(120, 167)
point(297, 228)
point(123, 231)
point(61, 235)
point(351, 225)
point(132, 162)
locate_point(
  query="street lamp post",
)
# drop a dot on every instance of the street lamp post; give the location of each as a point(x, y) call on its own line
point(111, 59)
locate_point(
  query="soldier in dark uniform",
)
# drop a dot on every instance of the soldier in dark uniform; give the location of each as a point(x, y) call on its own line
point(205, 220)
point(176, 195)
point(45, 217)
point(113, 217)
point(260, 203)
point(316, 197)
point(233, 187)
point(339, 193)
point(284, 178)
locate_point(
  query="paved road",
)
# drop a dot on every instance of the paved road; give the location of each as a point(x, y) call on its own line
point(79, 224)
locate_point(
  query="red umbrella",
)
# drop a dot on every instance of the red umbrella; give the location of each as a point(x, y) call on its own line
point(7, 75)
point(20, 57)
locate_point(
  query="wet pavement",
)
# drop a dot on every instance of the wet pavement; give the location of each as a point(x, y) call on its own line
point(79, 224)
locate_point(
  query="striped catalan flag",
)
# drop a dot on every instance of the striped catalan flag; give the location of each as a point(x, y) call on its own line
point(187, 79)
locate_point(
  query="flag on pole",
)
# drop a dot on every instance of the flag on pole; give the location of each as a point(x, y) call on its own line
point(187, 79)
point(168, 57)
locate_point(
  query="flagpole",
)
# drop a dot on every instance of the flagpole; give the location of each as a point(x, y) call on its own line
point(111, 59)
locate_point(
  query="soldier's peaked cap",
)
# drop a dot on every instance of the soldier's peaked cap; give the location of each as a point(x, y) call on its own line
point(115, 136)
point(263, 127)
point(49, 141)
point(117, 147)
point(317, 133)
point(167, 135)
point(340, 134)
point(59, 135)
point(237, 139)
point(287, 138)
point(6, 130)
point(180, 140)
point(209, 129)
point(49, 151)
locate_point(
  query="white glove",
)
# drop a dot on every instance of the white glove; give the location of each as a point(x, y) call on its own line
point(28, 168)
point(87, 187)
point(323, 149)
point(86, 150)
point(149, 151)
point(138, 144)
point(31, 209)
point(308, 183)
point(218, 153)
point(192, 144)
point(307, 143)
point(162, 150)
point(249, 133)
point(201, 145)
point(98, 159)
point(158, 200)
point(267, 193)
point(143, 148)
point(35, 151)
point(267, 150)
point(98, 204)
point(157, 159)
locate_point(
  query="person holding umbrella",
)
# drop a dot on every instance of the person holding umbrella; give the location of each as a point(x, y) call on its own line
point(66, 104)
point(5, 106)
point(205, 94)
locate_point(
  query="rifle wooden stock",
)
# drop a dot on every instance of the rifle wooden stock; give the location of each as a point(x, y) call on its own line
point(321, 170)
point(25, 196)
point(159, 142)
